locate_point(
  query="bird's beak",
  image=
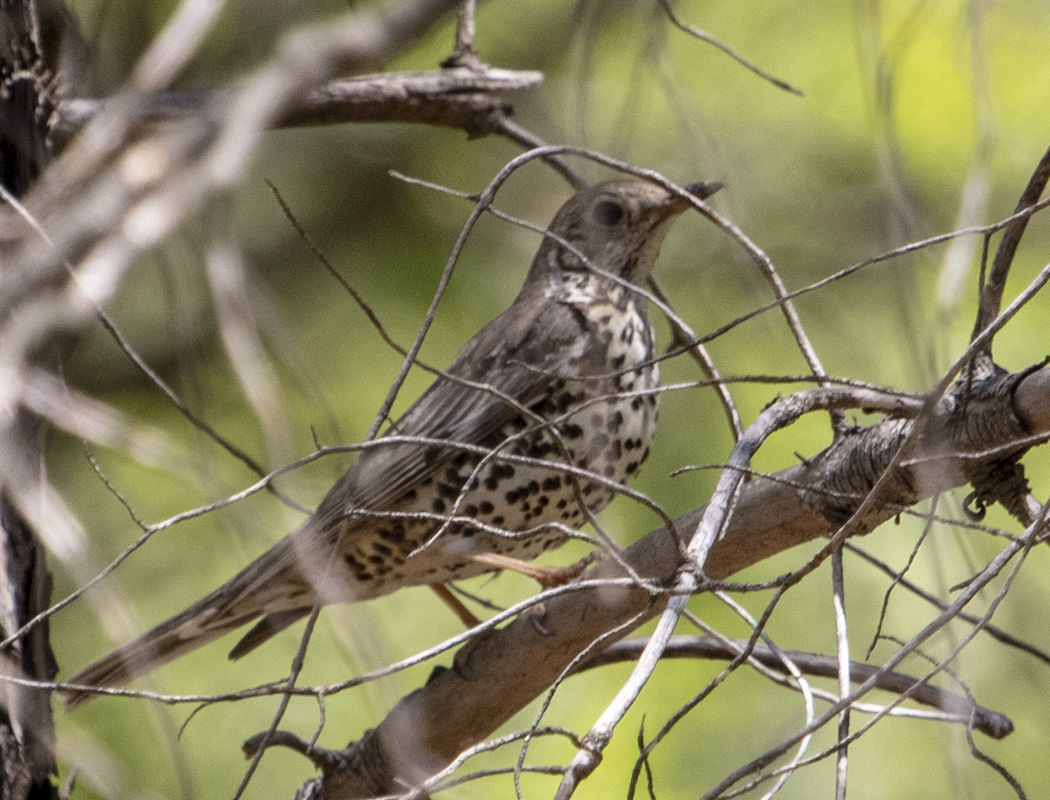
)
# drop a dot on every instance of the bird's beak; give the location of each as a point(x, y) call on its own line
point(703, 190)
point(677, 204)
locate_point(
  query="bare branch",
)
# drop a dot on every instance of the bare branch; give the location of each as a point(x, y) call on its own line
point(454, 98)
point(992, 291)
point(989, 722)
point(704, 36)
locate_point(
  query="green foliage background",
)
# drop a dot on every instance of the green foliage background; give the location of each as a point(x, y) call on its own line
point(903, 103)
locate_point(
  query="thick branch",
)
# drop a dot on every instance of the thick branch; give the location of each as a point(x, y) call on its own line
point(496, 675)
point(454, 98)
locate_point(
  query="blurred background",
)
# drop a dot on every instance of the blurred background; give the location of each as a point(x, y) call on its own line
point(915, 118)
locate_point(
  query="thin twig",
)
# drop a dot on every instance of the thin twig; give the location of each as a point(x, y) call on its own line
point(464, 54)
point(685, 338)
point(733, 54)
point(842, 643)
point(282, 706)
point(994, 631)
point(987, 721)
point(992, 291)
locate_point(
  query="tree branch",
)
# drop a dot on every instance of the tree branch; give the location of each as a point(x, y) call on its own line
point(496, 675)
point(989, 722)
point(453, 98)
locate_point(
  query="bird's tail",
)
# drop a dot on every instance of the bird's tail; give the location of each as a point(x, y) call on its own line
point(255, 592)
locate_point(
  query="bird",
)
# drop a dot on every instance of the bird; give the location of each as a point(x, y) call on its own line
point(537, 421)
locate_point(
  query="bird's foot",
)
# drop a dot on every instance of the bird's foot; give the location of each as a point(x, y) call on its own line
point(547, 577)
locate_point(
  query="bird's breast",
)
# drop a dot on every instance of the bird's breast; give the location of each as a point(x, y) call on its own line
point(546, 472)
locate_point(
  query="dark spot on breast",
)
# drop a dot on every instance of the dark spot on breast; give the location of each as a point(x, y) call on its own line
point(485, 507)
point(352, 562)
point(566, 400)
point(617, 362)
point(496, 474)
point(609, 470)
point(571, 431)
point(552, 483)
point(394, 534)
point(438, 506)
point(470, 510)
point(540, 448)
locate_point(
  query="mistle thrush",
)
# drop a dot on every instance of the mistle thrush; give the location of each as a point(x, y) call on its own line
point(474, 472)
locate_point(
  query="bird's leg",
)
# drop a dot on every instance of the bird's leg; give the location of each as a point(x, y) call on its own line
point(547, 577)
point(455, 605)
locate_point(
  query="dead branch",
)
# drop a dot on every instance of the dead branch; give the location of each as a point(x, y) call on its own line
point(454, 98)
point(988, 722)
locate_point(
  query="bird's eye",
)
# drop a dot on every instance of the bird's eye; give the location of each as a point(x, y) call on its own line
point(608, 213)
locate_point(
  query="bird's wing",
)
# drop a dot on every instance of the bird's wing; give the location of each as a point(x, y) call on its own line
point(544, 336)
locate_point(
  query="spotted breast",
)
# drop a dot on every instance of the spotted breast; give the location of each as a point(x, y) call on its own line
point(599, 417)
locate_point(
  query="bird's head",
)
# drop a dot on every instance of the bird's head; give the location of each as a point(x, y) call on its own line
point(617, 226)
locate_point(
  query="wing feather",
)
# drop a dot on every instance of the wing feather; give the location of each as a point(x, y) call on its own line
point(452, 411)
